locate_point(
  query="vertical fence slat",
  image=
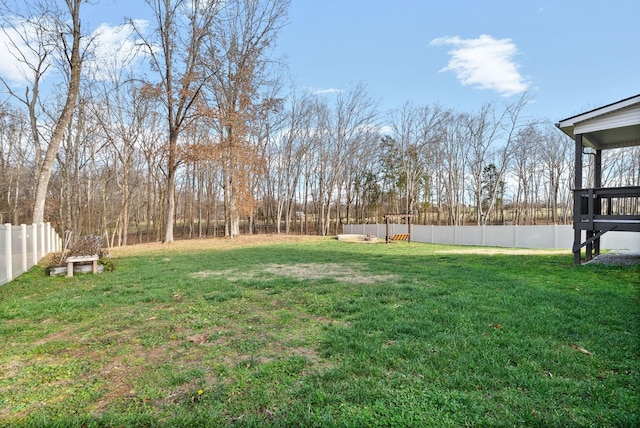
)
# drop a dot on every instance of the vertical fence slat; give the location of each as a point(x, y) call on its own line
point(34, 245)
point(47, 235)
point(8, 250)
point(41, 241)
point(23, 247)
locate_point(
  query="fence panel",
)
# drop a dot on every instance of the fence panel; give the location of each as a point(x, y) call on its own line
point(500, 236)
point(621, 240)
point(422, 234)
point(552, 236)
point(16, 251)
point(472, 235)
point(21, 247)
point(4, 277)
point(443, 234)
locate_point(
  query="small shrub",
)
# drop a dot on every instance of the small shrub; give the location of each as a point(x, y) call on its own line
point(109, 265)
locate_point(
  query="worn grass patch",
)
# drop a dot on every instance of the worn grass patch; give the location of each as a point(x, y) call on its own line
point(342, 272)
point(316, 332)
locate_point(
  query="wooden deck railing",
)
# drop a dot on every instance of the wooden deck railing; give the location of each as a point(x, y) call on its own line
point(614, 208)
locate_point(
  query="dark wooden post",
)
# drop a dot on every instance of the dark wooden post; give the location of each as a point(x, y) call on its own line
point(386, 219)
point(577, 200)
point(597, 183)
point(597, 172)
point(589, 233)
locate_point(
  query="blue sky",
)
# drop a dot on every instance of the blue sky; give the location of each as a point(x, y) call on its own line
point(571, 56)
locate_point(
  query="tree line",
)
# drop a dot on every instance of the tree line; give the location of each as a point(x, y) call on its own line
point(190, 127)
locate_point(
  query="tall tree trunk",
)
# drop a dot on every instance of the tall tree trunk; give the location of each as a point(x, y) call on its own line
point(170, 205)
point(75, 63)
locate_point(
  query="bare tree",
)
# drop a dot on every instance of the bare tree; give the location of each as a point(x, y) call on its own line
point(510, 124)
point(46, 33)
point(73, 177)
point(483, 130)
point(153, 158)
point(453, 167)
point(355, 126)
point(15, 165)
point(555, 152)
point(490, 134)
point(286, 158)
point(416, 132)
point(238, 62)
point(526, 170)
point(339, 134)
point(174, 49)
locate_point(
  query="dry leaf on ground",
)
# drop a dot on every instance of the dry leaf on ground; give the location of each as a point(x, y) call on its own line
point(580, 349)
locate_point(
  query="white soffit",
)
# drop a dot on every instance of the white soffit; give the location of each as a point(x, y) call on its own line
point(618, 119)
point(611, 126)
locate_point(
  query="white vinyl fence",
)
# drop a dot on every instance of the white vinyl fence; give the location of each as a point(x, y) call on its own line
point(22, 247)
point(552, 236)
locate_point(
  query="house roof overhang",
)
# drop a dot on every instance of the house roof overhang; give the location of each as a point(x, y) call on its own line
point(612, 126)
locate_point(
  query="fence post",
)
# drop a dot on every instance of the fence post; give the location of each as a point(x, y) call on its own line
point(47, 237)
point(34, 244)
point(7, 250)
point(54, 242)
point(47, 234)
point(41, 241)
point(23, 247)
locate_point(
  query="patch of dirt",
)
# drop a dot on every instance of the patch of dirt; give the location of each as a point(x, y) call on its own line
point(350, 237)
point(229, 274)
point(60, 335)
point(117, 375)
point(350, 273)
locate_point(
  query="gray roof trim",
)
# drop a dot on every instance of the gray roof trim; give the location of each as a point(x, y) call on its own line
point(609, 108)
point(611, 126)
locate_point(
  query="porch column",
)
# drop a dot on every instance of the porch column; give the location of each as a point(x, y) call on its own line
point(577, 186)
point(597, 183)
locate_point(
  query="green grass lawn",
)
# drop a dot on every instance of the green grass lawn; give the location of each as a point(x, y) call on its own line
point(319, 332)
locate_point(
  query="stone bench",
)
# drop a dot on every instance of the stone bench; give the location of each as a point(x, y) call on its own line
point(79, 259)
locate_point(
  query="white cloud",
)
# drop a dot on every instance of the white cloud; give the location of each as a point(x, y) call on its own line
point(114, 48)
point(327, 91)
point(386, 130)
point(15, 53)
point(484, 63)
